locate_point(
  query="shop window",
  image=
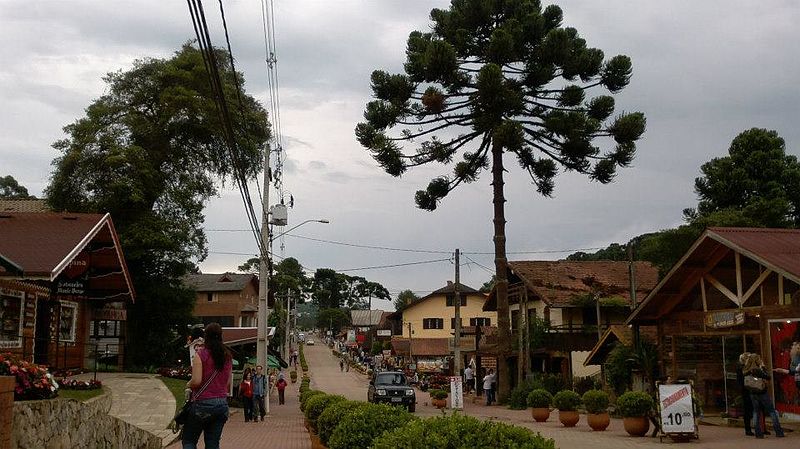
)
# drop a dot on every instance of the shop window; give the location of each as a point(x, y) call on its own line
point(480, 321)
point(11, 312)
point(433, 323)
point(105, 329)
point(67, 321)
point(248, 321)
point(211, 297)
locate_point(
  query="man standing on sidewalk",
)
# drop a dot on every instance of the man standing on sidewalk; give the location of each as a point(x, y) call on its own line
point(488, 386)
point(259, 387)
point(469, 379)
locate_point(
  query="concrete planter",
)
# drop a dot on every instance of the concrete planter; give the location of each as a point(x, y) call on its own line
point(540, 414)
point(568, 417)
point(598, 421)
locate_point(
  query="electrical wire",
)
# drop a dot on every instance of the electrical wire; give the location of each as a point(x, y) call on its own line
point(393, 266)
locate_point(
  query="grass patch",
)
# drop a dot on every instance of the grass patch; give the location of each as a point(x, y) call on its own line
point(176, 387)
point(80, 395)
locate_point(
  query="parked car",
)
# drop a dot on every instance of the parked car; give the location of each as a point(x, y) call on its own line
point(392, 387)
point(310, 342)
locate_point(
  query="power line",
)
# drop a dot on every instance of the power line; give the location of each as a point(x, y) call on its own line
point(394, 265)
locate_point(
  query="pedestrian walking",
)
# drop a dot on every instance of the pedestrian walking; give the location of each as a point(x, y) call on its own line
point(246, 395)
point(281, 386)
point(755, 379)
point(746, 401)
point(469, 379)
point(488, 386)
point(210, 383)
point(341, 365)
point(259, 387)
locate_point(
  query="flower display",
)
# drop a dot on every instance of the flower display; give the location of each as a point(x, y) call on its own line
point(176, 373)
point(32, 381)
point(73, 384)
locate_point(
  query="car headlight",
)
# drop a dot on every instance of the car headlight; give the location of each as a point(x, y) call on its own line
point(409, 392)
point(381, 392)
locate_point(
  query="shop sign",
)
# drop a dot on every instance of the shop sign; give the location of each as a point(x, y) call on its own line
point(723, 319)
point(456, 393)
point(108, 313)
point(675, 402)
point(384, 333)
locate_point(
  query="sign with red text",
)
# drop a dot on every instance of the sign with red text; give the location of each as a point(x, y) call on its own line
point(677, 414)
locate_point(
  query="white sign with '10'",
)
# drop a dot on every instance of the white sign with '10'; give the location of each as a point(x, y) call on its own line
point(677, 415)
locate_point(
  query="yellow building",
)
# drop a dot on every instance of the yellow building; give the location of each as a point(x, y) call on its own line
point(428, 326)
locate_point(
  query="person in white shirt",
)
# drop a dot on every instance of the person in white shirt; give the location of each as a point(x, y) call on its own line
point(469, 378)
point(488, 386)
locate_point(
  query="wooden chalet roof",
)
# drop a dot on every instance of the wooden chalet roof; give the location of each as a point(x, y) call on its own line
point(775, 249)
point(365, 317)
point(222, 282)
point(560, 282)
point(43, 245)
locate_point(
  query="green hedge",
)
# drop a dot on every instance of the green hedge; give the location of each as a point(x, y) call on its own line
point(333, 414)
point(306, 395)
point(460, 432)
point(364, 424)
point(317, 404)
point(518, 399)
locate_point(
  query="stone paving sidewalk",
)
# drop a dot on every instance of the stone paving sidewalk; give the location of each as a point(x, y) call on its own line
point(140, 399)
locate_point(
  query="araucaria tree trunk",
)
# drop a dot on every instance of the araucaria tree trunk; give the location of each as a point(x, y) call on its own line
point(501, 268)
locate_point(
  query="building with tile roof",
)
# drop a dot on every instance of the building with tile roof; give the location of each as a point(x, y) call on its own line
point(735, 290)
point(64, 288)
point(230, 299)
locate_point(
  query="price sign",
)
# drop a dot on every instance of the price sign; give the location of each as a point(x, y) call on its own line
point(677, 413)
point(456, 393)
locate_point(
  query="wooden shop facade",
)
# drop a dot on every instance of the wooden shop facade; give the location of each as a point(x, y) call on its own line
point(64, 289)
point(735, 290)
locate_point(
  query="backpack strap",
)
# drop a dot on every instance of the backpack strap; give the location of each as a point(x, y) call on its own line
point(205, 385)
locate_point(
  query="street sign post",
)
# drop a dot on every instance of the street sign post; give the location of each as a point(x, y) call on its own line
point(456, 393)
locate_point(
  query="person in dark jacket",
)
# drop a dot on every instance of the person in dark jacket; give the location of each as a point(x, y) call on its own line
point(746, 401)
point(754, 366)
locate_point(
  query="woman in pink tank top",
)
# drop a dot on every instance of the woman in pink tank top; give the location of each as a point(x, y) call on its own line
point(210, 384)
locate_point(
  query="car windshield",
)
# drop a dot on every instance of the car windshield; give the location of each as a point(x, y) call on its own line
point(390, 379)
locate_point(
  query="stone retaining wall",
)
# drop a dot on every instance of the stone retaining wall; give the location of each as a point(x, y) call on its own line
point(68, 424)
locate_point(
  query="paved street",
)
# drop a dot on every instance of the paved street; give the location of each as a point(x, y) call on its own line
point(326, 376)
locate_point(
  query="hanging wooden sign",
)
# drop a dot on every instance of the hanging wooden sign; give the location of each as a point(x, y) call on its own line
point(724, 318)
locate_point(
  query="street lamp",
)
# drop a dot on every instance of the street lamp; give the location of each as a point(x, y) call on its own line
point(263, 310)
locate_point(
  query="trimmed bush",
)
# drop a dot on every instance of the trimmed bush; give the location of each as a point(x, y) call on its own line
point(518, 399)
point(540, 398)
point(306, 395)
point(460, 432)
point(438, 394)
point(333, 414)
point(317, 404)
point(634, 404)
point(595, 401)
point(566, 400)
point(365, 423)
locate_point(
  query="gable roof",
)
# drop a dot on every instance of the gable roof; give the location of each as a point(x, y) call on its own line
point(776, 249)
point(615, 333)
point(560, 282)
point(449, 288)
point(222, 282)
point(365, 317)
point(23, 205)
point(42, 245)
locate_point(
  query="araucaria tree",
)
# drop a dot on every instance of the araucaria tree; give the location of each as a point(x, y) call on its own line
point(495, 77)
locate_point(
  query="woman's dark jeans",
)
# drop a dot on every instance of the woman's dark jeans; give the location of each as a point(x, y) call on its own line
point(209, 418)
point(761, 401)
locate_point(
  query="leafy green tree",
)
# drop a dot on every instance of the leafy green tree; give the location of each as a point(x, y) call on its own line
point(11, 189)
point(757, 180)
point(251, 266)
point(405, 297)
point(337, 318)
point(151, 152)
point(333, 290)
point(495, 77)
point(361, 292)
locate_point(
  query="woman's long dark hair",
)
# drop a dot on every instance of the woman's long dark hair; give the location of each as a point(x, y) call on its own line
point(213, 342)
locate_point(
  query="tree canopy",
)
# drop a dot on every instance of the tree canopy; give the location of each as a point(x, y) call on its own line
point(494, 77)
point(151, 152)
point(11, 189)
point(404, 298)
point(334, 290)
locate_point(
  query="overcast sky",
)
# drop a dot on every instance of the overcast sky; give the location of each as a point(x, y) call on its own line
point(703, 72)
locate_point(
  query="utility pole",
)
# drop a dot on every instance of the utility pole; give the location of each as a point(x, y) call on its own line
point(632, 279)
point(410, 357)
point(288, 322)
point(263, 289)
point(457, 303)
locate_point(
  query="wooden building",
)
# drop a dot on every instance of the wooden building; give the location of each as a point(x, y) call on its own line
point(229, 299)
point(735, 290)
point(64, 288)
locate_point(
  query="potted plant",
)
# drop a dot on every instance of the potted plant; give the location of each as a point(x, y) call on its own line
point(438, 398)
point(567, 402)
point(540, 400)
point(635, 406)
point(596, 403)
